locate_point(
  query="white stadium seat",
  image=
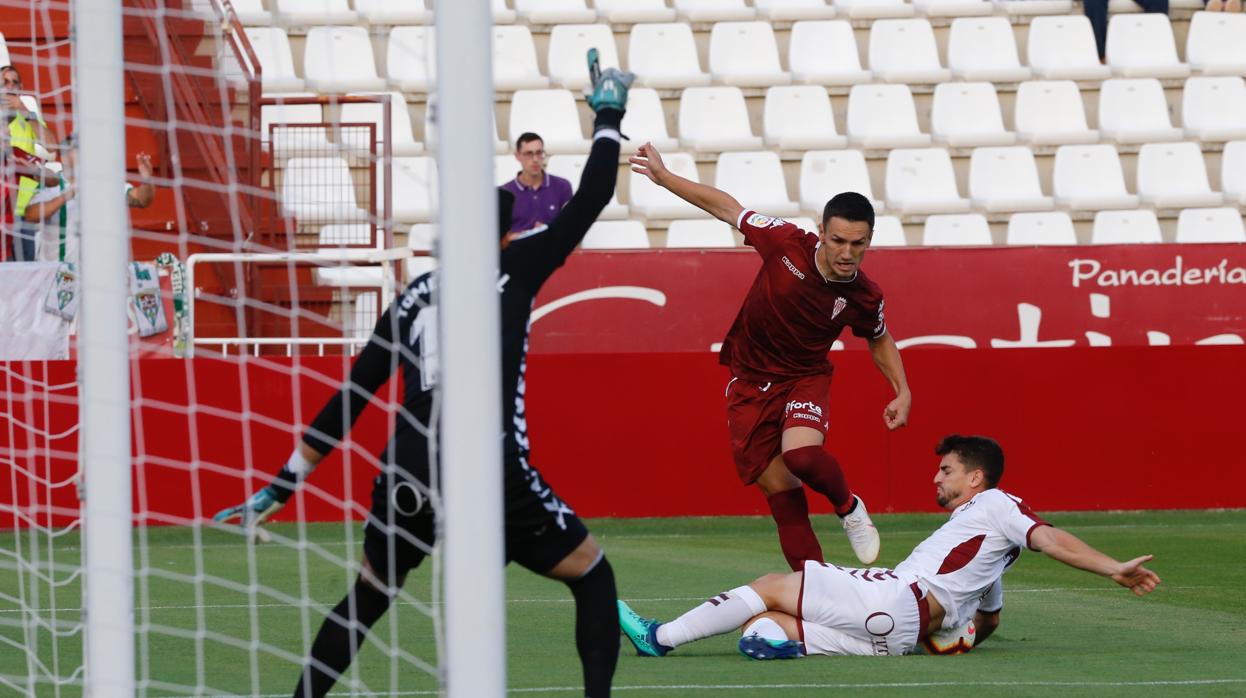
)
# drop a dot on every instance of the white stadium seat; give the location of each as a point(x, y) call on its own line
point(630, 11)
point(968, 114)
point(953, 8)
point(1050, 112)
point(1233, 171)
point(1210, 225)
point(339, 59)
point(805, 223)
point(714, 10)
point(984, 48)
point(392, 12)
point(873, 9)
point(403, 137)
point(1214, 108)
point(505, 168)
point(922, 181)
point(904, 50)
point(756, 180)
point(1135, 111)
point(706, 233)
point(745, 54)
point(250, 12)
point(777, 10)
point(570, 168)
point(422, 237)
point(293, 139)
point(713, 119)
point(956, 230)
point(1089, 178)
point(410, 59)
point(272, 50)
point(414, 189)
point(1006, 179)
point(1214, 45)
point(568, 46)
point(888, 232)
point(430, 132)
point(319, 188)
point(501, 13)
point(1035, 7)
point(883, 116)
point(1125, 227)
point(555, 11)
point(1063, 48)
point(313, 12)
point(337, 236)
point(825, 173)
point(1143, 46)
point(825, 53)
point(553, 115)
point(363, 316)
point(652, 202)
point(645, 122)
point(514, 60)
point(664, 55)
point(799, 117)
point(616, 235)
point(1049, 228)
point(1173, 175)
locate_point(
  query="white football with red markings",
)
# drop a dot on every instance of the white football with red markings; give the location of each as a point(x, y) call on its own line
point(951, 640)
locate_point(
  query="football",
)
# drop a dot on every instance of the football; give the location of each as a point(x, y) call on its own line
point(951, 640)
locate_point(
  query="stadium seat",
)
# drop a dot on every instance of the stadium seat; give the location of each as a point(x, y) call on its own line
point(363, 317)
point(1135, 111)
point(799, 117)
point(1214, 45)
point(953, 8)
point(414, 267)
point(664, 55)
point(825, 53)
point(1006, 179)
point(1125, 227)
point(1173, 175)
point(645, 121)
point(713, 119)
point(403, 137)
point(745, 54)
point(1089, 178)
point(967, 114)
point(570, 168)
point(922, 181)
point(631, 11)
point(250, 12)
point(873, 9)
point(1050, 228)
point(422, 237)
point(338, 236)
point(1050, 112)
point(888, 232)
point(410, 59)
point(805, 223)
point(1063, 48)
point(501, 13)
point(1035, 7)
point(430, 132)
point(569, 43)
point(555, 11)
point(319, 189)
point(714, 10)
point(514, 60)
point(1210, 225)
point(652, 202)
point(1143, 46)
point(883, 116)
point(1214, 108)
point(1233, 171)
point(392, 12)
point(339, 59)
point(956, 230)
point(414, 189)
point(505, 168)
point(706, 233)
point(272, 50)
point(904, 50)
point(616, 235)
point(984, 48)
point(779, 10)
point(825, 173)
point(755, 180)
point(313, 12)
point(553, 115)
point(293, 139)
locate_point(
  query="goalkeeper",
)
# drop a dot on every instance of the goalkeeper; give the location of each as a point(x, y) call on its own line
point(542, 533)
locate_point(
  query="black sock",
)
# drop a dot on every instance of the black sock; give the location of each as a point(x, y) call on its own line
point(337, 643)
point(597, 627)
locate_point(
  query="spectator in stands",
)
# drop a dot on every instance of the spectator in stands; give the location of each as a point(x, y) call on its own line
point(56, 208)
point(539, 196)
point(1223, 5)
point(1097, 13)
point(26, 130)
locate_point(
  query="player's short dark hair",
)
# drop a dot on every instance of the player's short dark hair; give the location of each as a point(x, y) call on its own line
point(850, 206)
point(977, 453)
point(527, 137)
point(506, 207)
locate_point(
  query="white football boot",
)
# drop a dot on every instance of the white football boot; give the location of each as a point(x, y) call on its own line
point(862, 535)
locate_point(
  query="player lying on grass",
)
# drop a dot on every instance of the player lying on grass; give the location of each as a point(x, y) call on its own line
point(950, 579)
point(542, 533)
point(810, 288)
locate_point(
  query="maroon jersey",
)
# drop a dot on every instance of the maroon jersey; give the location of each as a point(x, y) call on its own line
point(792, 314)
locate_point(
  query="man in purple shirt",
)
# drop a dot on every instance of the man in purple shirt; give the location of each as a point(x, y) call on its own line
point(539, 196)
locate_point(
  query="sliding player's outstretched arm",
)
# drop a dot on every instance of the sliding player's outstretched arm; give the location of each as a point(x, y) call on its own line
point(716, 202)
point(1073, 551)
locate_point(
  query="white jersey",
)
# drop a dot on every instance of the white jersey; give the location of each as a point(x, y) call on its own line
point(963, 561)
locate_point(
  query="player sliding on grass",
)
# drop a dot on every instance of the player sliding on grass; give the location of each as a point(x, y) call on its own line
point(542, 533)
point(809, 289)
point(951, 578)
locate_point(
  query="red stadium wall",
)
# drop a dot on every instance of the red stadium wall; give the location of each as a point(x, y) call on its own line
point(626, 407)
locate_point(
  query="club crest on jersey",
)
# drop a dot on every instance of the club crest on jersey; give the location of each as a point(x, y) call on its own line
point(840, 304)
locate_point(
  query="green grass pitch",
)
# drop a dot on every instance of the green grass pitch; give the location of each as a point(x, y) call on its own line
point(1064, 632)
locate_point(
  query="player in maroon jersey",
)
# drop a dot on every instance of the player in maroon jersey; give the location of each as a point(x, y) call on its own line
point(810, 287)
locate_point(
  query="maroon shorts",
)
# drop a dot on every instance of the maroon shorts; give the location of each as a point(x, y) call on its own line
point(758, 414)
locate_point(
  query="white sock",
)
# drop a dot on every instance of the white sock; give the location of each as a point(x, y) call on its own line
point(767, 629)
point(721, 614)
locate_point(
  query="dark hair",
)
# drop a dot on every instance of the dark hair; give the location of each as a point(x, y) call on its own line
point(506, 206)
point(850, 206)
point(527, 137)
point(977, 453)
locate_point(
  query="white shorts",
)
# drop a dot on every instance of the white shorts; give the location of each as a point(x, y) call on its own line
point(872, 611)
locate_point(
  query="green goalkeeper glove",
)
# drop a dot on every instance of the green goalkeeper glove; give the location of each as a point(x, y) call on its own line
point(608, 88)
point(251, 513)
